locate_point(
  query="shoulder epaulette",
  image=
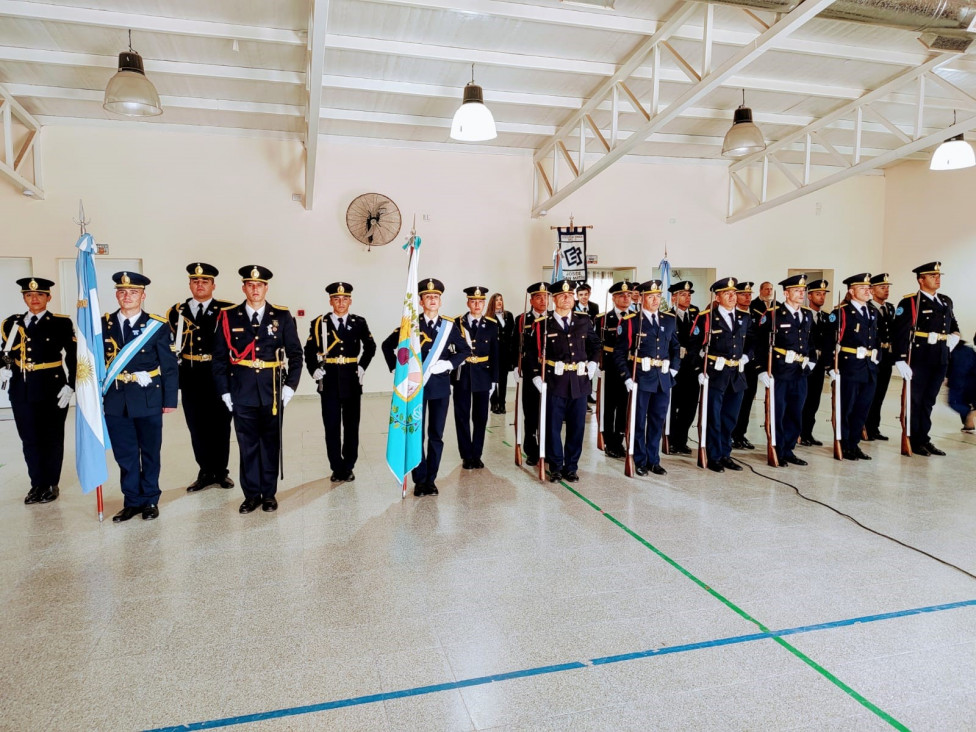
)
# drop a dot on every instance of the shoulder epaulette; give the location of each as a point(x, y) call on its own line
point(229, 307)
point(445, 317)
point(279, 307)
point(746, 311)
point(628, 316)
point(108, 317)
point(491, 319)
point(158, 317)
point(59, 315)
point(909, 295)
point(669, 314)
point(804, 307)
point(223, 304)
point(602, 315)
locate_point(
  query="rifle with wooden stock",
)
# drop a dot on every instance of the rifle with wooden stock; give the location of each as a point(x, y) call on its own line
point(518, 383)
point(632, 403)
point(703, 390)
point(835, 416)
point(542, 401)
point(771, 458)
point(906, 386)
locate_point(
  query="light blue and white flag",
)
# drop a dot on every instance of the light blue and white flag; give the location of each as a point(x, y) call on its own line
point(665, 267)
point(91, 435)
point(404, 441)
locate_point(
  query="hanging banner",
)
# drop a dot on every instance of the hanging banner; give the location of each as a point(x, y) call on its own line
point(572, 252)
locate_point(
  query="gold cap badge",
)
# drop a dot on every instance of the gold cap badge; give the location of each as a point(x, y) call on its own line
point(938, 265)
point(477, 292)
point(565, 287)
point(687, 285)
point(340, 289)
point(430, 284)
point(32, 285)
point(198, 270)
point(255, 272)
point(731, 282)
point(803, 282)
point(126, 280)
point(624, 287)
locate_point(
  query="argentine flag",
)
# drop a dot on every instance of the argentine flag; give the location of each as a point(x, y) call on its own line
point(404, 442)
point(665, 267)
point(91, 435)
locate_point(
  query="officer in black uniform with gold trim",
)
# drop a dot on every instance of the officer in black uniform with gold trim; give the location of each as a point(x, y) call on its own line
point(538, 293)
point(880, 288)
point(255, 341)
point(822, 355)
point(756, 308)
point(613, 401)
point(476, 379)
point(684, 394)
point(193, 323)
point(339, 366)
point(37, 347)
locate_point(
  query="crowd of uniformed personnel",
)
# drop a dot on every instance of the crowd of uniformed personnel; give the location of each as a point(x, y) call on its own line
point(660, 363)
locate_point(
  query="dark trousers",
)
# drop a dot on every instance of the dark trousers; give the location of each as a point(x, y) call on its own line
point(501, 393)
point(41, 429)
point(723, 411)
point(435, 415)
point(340, 417)
point(652, 408)
point(565, 459)
point(791, 395)
point(530, 420)
point(136, 442)
point(470, 420)
point(684, 406)
point(815, 382)
point(745, 406)
point(207, 419)
point(855, 401)
point(873, 423)
point(258, 441)
point(926, 383)
point(614, 412)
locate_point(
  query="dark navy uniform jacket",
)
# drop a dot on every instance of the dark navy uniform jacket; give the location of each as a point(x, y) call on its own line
point(690, 357)
point(51, 336)
point(246, 385)
point(730, 344)
point(856, 331)
point(790, 336)
point(655, 342)
point(130, 399)
point(606, 330)
point(934, 316)
point(886, 331)
point(822, 337)
point(455, 350)
point(199, 333)
point(578, 344)
point(476, 374)
point(355, 343)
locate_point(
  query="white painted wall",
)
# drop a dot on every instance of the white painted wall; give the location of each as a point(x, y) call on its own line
point(169, 198)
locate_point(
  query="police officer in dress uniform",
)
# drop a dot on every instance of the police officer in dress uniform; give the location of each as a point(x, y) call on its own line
point(856, 333)
point(756, 309)
point(37, 346)
point(614, 398)
point(507, 349)
point(143, 380)
point(726, 331)
point(929, 340)
point(561, 355)
point(821, 354)
point(880, 288)
point(647, 356)
point(338, 351)
point(790, 345)
point(538, 309)
point(476, 379)
point(684, 393)
point(193, 323)
point(255, 340)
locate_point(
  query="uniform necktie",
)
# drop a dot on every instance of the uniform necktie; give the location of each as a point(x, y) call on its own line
point(342, 325)
point(254, 320)
point(654, 321)
point(798, 317)
point(33, 322)
point(126, 331)
point(474, 324)
point(566, 323)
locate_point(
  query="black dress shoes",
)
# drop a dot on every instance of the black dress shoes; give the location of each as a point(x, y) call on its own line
point(679, 450)
point(794, 460)
point(861, 455)
point(555, 476)
point(531, 462)
point(32, 495)
point(572, 476)
point(200, 483)
point(269, 504)
point(877, 436)
point(250, 504)
point(335, 477)
point(126, 513)
point(350, 477)
point(478, 465)
point(420, 489)
point(933, 450)
point(641, 470)
point(46, 495)
point(849, 454)
point(467, 464)
point(731, 464)
point(225, 482)
point(150, 512)
point(612, 453)
point(810, 441)
point(746, 445)
point(431, 489)
point(715, 466)
point(658, 470)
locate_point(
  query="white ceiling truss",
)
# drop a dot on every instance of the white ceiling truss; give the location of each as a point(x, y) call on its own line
point(575, 87)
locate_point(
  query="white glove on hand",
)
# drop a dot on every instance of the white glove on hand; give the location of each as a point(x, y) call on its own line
point(318, 373)
point(674, 372)
point(702, 378)
point(809, 364)
point(286, 394)
point(764, 379)
point(441, 367)
point(742, 363)
point(362, 374)
point(904, 370)
point(492, 390)
point(226, 399)
point(591, 369)
point(539, 383)
point(952, 340)
point(833, 375)
point(6, 374)
point(631, 385)
point(142, 378)
point(64, 396)
point(517, 376)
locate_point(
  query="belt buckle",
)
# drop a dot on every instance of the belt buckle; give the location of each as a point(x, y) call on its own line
point(257, 364)
point(125, 377)
point(342, 360)
point(28, 366)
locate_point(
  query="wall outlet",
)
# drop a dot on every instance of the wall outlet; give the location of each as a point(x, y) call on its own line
point(301, 313)
point(297, 197)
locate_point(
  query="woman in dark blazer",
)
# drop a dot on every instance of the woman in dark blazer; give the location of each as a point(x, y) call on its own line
point(507, 349)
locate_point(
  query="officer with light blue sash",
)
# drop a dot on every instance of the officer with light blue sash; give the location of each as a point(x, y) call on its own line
point(141, 383)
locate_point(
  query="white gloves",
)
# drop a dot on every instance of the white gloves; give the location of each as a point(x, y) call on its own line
point(492, 390)
point(228, 402)
point(764, 379)
point(833, 376)
point(904, 370)
point(64, 396)
point(539, 383)
point(952, 340)
point(6, 374)
point(318, 374)
point(441, 367)
point(631, 385)
point(674, 372)
point(142, 378)
point(809, 364)
point(742, 363)
point(702, 378)
point(362, 374)
point(286, 394)
point(517, 376)
point(591, 368)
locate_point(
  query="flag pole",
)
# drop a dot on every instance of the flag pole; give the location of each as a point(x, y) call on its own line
point(100, 504)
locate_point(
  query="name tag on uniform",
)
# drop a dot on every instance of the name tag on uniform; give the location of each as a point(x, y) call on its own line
point(785, 325)
point(237, 330)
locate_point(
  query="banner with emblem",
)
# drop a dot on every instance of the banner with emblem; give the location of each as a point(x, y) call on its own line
point(404, 442)
point(91, 434)
point(570, 256)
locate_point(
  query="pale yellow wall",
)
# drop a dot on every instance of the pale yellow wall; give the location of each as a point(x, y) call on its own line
point(170, 198)
point(929, 216)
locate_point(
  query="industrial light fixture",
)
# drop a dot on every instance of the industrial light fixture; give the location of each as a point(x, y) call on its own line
point(743, 138)
point(953, 154)
point(129, 92)
point(473, 121)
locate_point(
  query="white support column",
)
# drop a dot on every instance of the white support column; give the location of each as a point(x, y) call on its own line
point(656, 82)
point(920, 115)
point(14, 162)
point(765, 179)
point(858, 126)
point(8, 136)
point(707, 31)
point(582, 146)
point(314, 68)
point(614, 116)
point(807, 144)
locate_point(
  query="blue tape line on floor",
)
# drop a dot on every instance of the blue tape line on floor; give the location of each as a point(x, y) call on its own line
point(540, 670)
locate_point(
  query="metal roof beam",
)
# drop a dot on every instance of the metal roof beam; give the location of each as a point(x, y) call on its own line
point(315, 65)
point(14, 156)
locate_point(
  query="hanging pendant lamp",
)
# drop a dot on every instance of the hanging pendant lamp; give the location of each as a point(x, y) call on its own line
point(473, 121)
point(953, 154)
point(743, 138)
point(129, 92)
